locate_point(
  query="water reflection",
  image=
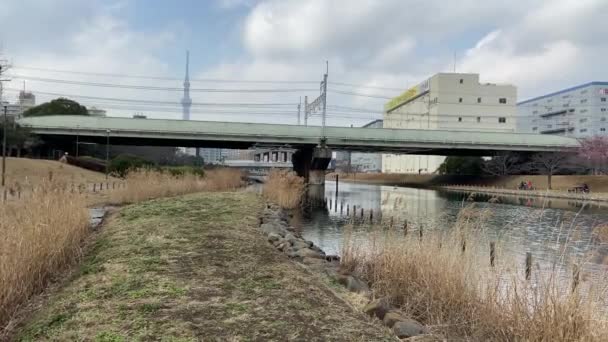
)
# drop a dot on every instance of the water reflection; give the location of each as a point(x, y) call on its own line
point(552, 229)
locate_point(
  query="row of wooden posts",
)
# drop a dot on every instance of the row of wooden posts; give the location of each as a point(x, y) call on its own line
point(97, 187)
point(528, 262)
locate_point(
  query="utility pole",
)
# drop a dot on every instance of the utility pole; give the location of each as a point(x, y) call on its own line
point(323, 137)
point(5, 123)
point(299, 106)
point(107, 152)
point(306, 110)
point(3, 67)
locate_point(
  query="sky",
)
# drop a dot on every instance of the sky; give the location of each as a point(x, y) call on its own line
point(374, 50)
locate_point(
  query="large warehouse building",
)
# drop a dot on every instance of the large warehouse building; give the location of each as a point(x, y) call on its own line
point(578, 112)
point(448, 101)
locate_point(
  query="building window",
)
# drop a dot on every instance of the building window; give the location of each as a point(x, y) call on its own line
point(479, 100)
point(582, 120)
point(460, 100)
point(502, 100)
point(602, 129)
point(565, 96)
point(583, 130)
point(535, 112)
point(479, 119)
point(583, 111)
point(571, 110)
point(583, 100)
point(461, 81)
point(502, 120)
point(584, 92)
point(549, 100)
point(549, 126)
point(603, 99)
point(459, 119)
point(534, 128)
point(603, 119)
point(603, 109)
point(566, 105)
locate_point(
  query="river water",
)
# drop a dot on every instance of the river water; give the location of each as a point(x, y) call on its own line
point(547, 228)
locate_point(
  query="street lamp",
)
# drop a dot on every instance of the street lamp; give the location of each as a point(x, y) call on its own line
point(107, 152)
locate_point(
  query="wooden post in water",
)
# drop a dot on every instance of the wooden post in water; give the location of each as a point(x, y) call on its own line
point(347, 209)
point(528, 265)
point(420, 233)
point(390, 226)
point(576, 277)
point(330, 204)
point(492, 253)
point(341, 207)
point(337, 180)
point(362, 214)
point(371, 215)
point(405, 228)
point(336, 204)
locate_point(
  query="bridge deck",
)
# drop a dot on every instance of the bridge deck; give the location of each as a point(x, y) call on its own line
point(243, 135)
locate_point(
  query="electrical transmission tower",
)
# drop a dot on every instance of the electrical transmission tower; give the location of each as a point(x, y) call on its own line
point(318, 105)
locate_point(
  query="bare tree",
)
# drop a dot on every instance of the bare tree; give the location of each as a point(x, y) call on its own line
point(549, 163)
point(502, 164)
point(594, 151)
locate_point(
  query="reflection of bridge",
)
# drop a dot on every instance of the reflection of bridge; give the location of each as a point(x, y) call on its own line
point(312, 144)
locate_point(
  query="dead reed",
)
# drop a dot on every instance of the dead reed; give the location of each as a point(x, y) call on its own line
point(143, 185)
point(445, 281)
point(284, 188)
point(39, 236)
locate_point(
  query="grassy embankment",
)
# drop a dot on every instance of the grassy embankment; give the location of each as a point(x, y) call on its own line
point(453, 289)
point(41, 234)
point(188, 269)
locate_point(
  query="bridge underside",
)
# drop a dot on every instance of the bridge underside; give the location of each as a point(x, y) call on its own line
point(67, 140)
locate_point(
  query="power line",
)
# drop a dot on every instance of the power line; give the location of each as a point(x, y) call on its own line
point(163, 78)
point(142, 87)
point(359, 94)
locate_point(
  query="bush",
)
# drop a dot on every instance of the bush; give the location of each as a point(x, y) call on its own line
point(123, 163)
point(284, 188)
point(177, 171)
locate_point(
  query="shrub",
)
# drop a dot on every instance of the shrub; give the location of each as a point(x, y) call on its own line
point(284, 188)
point(123, 163)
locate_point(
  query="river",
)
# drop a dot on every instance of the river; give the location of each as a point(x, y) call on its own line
point(547, 228)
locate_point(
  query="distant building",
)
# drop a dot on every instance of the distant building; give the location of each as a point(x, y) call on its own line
point(26, 101)
point(212, 155)
point(93, 111)
point(579, 111)
point(448, 101)
point(359, 161)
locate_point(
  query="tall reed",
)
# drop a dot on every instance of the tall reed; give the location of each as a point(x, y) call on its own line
point(144, 184)
point(39, 235)
point(444, 280)
point(284, 188)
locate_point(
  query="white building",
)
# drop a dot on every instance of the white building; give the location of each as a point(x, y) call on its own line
point(579, 111)
point(448, 101)
point(94, 111)
point(26, 101)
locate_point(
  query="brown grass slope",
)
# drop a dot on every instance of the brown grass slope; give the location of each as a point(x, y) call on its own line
point(194, 268)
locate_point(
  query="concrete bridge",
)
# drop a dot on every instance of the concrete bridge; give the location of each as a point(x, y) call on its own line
point(313, 144)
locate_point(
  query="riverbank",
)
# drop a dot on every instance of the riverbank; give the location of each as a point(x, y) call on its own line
point(597, 184)
point(193, 268)
point(596, 197)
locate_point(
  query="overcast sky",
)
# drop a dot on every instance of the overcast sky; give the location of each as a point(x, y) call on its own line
point(540, 46)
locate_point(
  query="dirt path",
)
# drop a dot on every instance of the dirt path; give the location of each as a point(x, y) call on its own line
point(194, 268)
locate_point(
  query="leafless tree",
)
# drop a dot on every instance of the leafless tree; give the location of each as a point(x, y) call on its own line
point(594, 151)
point(549, 163)
point(502, 164)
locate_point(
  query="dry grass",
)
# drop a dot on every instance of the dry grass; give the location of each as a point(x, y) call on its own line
point(284, 188)
point(459, 295)
point(39, 236)
point(149, 184)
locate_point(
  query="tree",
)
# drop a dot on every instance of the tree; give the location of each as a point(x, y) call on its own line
point(455, 165)
point(60, 106)
point(594, 151)
point(18, 138)
point(548, 163)
point(503, 164)
point(123, 163)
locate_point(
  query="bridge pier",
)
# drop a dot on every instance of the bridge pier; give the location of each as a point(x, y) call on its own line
point(311, 163)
